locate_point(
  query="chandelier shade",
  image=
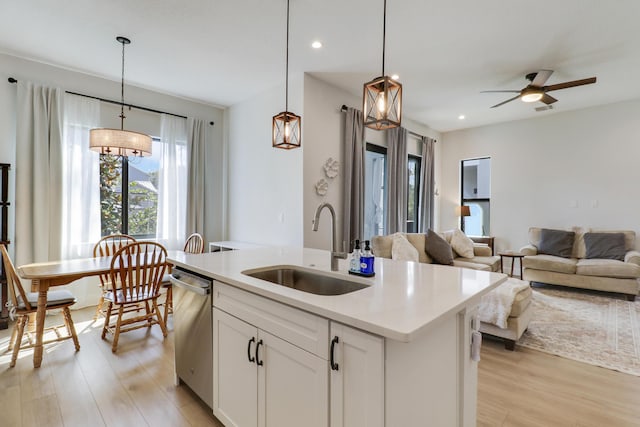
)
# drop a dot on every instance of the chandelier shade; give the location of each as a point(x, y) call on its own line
point(382, 103)
point(120, 142)
point(286, 126)
point(286, 130)
point(382, 96)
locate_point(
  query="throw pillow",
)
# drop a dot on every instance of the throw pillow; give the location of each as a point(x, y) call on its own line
point(462, 244)
point(605, 245)
point(438, 248)
point(402, 250)
point(556, 242)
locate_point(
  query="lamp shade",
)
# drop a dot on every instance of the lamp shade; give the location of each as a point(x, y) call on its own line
point(119, 142)
point(382, 103)
point(286, 130)
point(463, 211)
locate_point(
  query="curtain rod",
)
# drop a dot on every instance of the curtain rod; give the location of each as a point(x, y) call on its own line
point(417, 135)
point(12, 80)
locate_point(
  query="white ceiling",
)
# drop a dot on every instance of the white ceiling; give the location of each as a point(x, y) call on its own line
point(446, 52)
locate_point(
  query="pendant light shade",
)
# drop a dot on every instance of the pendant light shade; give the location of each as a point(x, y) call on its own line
point(286, 126)
point(382, 96)
point(120, 142)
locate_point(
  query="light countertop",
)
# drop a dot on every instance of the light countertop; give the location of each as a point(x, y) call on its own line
point(403, 299)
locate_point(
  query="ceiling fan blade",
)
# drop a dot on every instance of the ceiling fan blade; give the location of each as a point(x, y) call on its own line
point(566, 85)
point(508, 100)
point(541, 77)
point(500, 91)
point(548, 99)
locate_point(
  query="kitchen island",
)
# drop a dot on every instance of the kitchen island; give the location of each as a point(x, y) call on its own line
point(396, 353)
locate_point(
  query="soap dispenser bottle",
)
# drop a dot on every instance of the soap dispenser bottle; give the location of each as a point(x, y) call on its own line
point(367, 260)
point(354, 263)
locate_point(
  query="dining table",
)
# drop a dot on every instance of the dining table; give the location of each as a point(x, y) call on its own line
point(44, 275)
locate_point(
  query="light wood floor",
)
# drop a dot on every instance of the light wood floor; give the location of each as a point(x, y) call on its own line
point(134, 387)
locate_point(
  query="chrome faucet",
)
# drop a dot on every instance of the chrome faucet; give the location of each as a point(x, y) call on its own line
point(335, 255)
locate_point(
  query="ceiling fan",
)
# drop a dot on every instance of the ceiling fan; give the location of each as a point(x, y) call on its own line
point(536, 91)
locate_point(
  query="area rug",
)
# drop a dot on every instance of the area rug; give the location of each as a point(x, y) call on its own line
point(601, 330)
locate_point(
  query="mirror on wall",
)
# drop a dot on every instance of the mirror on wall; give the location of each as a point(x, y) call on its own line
point(475, 179)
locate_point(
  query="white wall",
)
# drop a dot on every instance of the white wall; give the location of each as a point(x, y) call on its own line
point(265, 183)
point(138, 120)
point(323, 135)
point(573, 168)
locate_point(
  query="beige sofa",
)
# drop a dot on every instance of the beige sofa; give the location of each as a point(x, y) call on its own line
point(577, 271)
point(521, 310)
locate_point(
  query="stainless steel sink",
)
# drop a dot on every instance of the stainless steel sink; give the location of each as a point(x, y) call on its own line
point(305, 281)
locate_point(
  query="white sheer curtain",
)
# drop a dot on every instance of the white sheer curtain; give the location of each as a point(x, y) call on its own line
point(172, 182)
point(80, 191)
point(38, 173)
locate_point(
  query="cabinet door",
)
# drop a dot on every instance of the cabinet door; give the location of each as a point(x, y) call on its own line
point(235, 400)
point(357, 385)
point(292, 385)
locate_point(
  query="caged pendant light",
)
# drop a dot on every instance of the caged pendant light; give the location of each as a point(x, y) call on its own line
point(120, 142)
point(286, 125)
point(382, 98)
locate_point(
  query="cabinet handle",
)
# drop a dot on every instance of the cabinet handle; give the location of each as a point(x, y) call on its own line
point(251, 359)
point(258, 361)
point(334, 341)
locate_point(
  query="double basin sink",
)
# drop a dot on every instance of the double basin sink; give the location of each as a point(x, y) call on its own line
point(305, 280)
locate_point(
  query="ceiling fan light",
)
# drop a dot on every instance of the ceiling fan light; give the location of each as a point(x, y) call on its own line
point(531, 96)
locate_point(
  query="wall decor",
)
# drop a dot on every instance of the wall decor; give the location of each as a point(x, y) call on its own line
point(331, 168)
point(321, 187)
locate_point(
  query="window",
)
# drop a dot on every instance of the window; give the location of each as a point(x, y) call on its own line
point(130, 208)
point(475, 179)
point(375, 206)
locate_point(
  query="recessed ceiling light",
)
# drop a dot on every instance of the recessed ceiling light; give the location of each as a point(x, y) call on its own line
point(395, 76)
point(316, 44)
point(461, 117)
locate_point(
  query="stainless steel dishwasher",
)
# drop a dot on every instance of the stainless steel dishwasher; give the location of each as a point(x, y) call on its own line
point(192, 325)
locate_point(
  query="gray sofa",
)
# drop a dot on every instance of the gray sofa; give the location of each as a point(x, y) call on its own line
point(578, 271)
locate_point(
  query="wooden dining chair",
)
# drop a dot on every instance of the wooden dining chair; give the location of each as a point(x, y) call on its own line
point(193, 245)
point(107, 246)
point(22, 304)
point(138, 268)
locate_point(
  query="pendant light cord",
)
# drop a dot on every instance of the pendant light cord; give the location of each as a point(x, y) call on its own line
point(384, 33)
point(286, 83)
point(122, 90)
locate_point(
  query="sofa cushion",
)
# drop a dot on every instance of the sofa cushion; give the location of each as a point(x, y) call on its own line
point(462, 244)
point(381, 246)
point(556, 242)
point(482, 249)
point(629, 237)
point(550, 263)
point(607, 268)
point(605, 246)
point(438, 248)
point(521, 302)
point(467, 263)
point(493, 262)
point(402, 250)
point(417, 240)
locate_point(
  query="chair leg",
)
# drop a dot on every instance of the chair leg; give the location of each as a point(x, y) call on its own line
point(71, 329)
point(22, 321)
point(116, 335)
point(160, 319)
point(149, 314)
point(106, 319)
point(99, 308)
point(168, 303)
point(12, 341)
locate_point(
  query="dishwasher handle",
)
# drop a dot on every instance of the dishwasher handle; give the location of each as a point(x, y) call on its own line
point(189, 287)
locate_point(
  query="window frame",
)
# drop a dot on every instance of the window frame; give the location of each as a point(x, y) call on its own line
point(464, 201)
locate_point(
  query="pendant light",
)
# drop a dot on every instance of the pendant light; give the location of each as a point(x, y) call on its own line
point(286, 125)
point(382, 97)
point(120, 142)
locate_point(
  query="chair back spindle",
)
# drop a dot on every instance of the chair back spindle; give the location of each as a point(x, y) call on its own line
point(194, 244)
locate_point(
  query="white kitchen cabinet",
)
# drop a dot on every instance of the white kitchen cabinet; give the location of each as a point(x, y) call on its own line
point(262, 380)
point(357, 378)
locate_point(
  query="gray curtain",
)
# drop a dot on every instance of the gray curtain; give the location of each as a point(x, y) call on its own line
point(38, 173)
point(397, 176)
point(196, 147)
point(353, 165)
point(427, 184)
